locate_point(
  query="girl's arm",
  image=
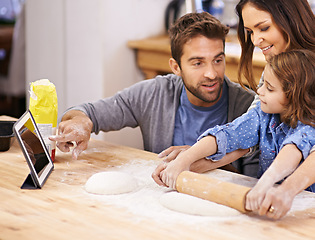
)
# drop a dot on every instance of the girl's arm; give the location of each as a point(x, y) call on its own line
point(204, 147)
point(201, 165)
point(284, 164)
point(281, 197)
point(207, 145)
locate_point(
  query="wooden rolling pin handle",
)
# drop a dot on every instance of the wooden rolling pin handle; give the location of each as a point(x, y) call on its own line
point(212, 189)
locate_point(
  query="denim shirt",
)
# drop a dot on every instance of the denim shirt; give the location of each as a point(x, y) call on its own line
point(257, 127)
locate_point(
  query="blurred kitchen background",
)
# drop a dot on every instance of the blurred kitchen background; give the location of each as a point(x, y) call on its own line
point(81, 46)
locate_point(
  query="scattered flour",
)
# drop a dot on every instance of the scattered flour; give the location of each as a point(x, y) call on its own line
point(144, 203)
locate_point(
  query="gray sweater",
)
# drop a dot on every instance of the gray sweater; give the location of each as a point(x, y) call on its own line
point(151, 105)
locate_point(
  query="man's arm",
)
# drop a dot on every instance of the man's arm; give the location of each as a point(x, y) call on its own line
point(204, 165)
point(76, 127)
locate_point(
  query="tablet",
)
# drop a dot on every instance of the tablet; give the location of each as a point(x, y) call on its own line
point(34, 150)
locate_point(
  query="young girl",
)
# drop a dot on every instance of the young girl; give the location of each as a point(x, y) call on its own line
point(283, 120)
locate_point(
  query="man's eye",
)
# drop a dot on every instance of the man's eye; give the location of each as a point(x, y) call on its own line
point(217, 61)
point(197, 64)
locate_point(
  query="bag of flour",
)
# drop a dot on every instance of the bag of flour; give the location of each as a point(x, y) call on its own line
point(44, 108)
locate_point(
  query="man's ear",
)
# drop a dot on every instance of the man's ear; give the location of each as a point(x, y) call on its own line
point(175, 67)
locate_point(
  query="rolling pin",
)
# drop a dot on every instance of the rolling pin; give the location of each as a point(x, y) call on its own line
point(212, 189)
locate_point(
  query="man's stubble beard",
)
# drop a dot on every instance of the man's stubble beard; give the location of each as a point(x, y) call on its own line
point(200, 96)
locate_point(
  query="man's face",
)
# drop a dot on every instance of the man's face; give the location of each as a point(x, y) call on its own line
point(202, 70)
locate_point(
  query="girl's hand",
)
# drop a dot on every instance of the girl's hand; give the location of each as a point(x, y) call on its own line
point(171, 172)
point(156, 175)
point(204, 147)
point(168, 154)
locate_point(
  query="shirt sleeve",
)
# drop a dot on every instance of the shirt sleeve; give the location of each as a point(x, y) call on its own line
point(125, 109)
point(242, 133)
point(303, 137)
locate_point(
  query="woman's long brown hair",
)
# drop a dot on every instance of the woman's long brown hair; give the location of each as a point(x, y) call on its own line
point(294, 18)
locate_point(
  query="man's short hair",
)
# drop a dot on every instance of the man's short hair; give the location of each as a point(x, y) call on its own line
point(192, 25)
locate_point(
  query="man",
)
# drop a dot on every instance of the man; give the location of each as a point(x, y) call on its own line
point(173, 109)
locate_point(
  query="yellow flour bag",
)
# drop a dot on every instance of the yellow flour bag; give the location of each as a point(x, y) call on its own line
point(44, 108)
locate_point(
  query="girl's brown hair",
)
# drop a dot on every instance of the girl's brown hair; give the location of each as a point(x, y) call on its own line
point(296, 71)
point(294, 18)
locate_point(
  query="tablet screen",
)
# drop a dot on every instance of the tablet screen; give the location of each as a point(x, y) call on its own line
point(34, 149)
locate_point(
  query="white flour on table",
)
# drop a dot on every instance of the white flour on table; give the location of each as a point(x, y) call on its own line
point(144, 202)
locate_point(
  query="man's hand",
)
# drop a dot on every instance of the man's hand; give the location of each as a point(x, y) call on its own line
point(172, 152)
point(74, 127)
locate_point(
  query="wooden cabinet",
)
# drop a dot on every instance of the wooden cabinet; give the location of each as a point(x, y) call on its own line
point(6, 34)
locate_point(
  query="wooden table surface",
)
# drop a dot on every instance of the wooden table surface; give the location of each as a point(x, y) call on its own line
point(63, 210)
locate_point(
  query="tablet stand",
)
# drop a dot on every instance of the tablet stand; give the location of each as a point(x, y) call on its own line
point(29, 183)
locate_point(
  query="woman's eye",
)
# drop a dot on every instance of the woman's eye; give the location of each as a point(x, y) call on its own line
point(249, 32)
point(265, 29)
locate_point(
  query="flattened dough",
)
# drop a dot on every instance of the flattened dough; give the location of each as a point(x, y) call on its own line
point(188, 204)
point(111, 183)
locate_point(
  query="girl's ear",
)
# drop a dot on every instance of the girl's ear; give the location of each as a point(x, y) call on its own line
point(175, 67)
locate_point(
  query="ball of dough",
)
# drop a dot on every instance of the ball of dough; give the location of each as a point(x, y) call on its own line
point(111, 183)
point(188, 204)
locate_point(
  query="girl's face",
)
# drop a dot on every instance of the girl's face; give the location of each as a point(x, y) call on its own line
point(271, 95)
point(265, 34)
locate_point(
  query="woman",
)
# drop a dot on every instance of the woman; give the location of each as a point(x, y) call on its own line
point(276, 26)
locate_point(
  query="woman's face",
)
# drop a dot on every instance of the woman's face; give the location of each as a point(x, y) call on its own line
point(265, 34)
